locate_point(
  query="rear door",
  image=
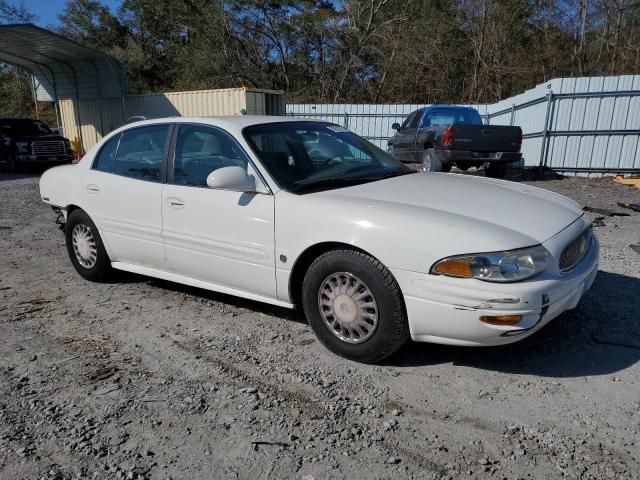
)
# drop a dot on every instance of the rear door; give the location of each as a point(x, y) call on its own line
point(124, 194)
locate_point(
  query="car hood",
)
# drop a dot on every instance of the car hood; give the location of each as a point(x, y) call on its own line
point(516, 214)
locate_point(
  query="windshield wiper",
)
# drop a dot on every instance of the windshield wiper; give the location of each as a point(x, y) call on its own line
point(338, 182)
point(335, 182)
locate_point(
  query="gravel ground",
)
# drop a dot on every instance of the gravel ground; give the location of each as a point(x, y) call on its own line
point(142, 378)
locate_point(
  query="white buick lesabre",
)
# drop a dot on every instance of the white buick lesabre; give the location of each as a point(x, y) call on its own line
point(301, 212)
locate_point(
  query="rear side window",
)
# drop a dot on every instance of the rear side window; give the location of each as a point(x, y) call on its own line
point(107, 155)
point(141, 152)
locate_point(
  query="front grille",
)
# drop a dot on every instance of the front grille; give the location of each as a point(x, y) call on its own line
point(51, 147)
point(575, 251)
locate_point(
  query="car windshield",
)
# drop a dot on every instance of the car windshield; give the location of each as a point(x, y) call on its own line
point(23, 127)
point(310, 156)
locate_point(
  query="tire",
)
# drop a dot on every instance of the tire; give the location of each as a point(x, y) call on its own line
point(355, 279)
point(430, 161)
point(10, 164)
point(91, 260)
point(496, 170)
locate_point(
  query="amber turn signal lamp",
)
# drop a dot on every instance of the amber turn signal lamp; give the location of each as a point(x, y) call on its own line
point(455, 267)
point(501, 319)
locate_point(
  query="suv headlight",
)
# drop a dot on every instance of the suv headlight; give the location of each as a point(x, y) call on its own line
point(23, 147)
point(509, 266)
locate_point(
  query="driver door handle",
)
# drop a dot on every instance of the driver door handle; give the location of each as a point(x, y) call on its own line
point(175, 202)
point(93, 188)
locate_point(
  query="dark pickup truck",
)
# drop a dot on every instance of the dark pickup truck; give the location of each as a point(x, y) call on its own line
point(25, 141)
point(441, 136)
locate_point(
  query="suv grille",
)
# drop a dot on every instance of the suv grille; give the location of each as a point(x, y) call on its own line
point(52, 147)
point(575, 251)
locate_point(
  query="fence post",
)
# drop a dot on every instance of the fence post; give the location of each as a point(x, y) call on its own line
point(545, 133)
point(346, 120)
point(513, 114)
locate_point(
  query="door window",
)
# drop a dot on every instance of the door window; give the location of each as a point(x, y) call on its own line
point(201, 150)
point(416, 119)
point(107, 155)
point(141, 151)
point(408, 121)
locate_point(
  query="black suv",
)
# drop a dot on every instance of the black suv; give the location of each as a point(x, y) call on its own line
point(26, 141)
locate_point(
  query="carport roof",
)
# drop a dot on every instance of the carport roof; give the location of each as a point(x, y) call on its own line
point(62, 67)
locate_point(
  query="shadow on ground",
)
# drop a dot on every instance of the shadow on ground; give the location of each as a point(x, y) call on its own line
point(600, 337)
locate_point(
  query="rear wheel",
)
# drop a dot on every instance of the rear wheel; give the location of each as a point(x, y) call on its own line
point(85, 247)
point(430, 161)
point(496, 170)
point(354, 306)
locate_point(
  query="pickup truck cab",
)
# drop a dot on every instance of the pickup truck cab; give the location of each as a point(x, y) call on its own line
point(441, 136)
point(26, 141)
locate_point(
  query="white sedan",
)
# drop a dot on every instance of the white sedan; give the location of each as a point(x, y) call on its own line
point(302, 212)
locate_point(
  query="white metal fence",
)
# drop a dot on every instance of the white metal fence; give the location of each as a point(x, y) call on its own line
point(587, 124)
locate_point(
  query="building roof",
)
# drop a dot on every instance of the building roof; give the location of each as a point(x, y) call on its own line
point(61, 67)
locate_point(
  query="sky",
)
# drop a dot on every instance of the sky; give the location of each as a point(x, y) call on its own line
point(48, 10)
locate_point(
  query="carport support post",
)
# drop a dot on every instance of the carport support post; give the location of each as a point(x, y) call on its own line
point(346, 120)
point(545, 133)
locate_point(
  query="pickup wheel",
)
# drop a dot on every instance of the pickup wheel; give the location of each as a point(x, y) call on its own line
point(10, 164)
point(85, 247)
point(496, 170)
point(354, 306)
point(430, 161)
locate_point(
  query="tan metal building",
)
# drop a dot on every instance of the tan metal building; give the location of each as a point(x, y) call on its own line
point(98, 117)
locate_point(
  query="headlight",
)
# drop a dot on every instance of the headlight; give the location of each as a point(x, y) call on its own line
point(23, 147)
point(509, 266)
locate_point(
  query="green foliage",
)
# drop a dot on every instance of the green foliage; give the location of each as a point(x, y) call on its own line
point(393, 51)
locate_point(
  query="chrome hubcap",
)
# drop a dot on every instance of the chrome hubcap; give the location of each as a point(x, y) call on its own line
point(348, 307)
point(84, 245)
point(426, 163)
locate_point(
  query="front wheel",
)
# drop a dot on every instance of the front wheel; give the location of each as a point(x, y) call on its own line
point(354, 306)
point(85, 247)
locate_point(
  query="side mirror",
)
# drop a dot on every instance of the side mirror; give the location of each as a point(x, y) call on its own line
point(396, 126)
point(56, 131)
point(231, 178)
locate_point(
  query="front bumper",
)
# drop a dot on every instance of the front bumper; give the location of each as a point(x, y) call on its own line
point(448, 310)
point(67, 157)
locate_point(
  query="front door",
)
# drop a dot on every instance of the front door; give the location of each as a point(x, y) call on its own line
point(217, 236)
point(403, 142)
point(123, 190)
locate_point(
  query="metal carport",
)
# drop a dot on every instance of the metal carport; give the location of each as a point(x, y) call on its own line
point(62, 68)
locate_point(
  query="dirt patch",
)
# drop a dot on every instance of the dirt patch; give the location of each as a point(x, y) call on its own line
point(146, 379)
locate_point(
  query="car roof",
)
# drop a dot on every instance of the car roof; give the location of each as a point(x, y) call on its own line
point(444, 105)
point(237, 121)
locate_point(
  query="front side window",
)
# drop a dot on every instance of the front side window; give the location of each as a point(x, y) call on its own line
point(141, 151)
point(311, 156)
point(107, 155)
point(408, 120)
point(201, 150)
